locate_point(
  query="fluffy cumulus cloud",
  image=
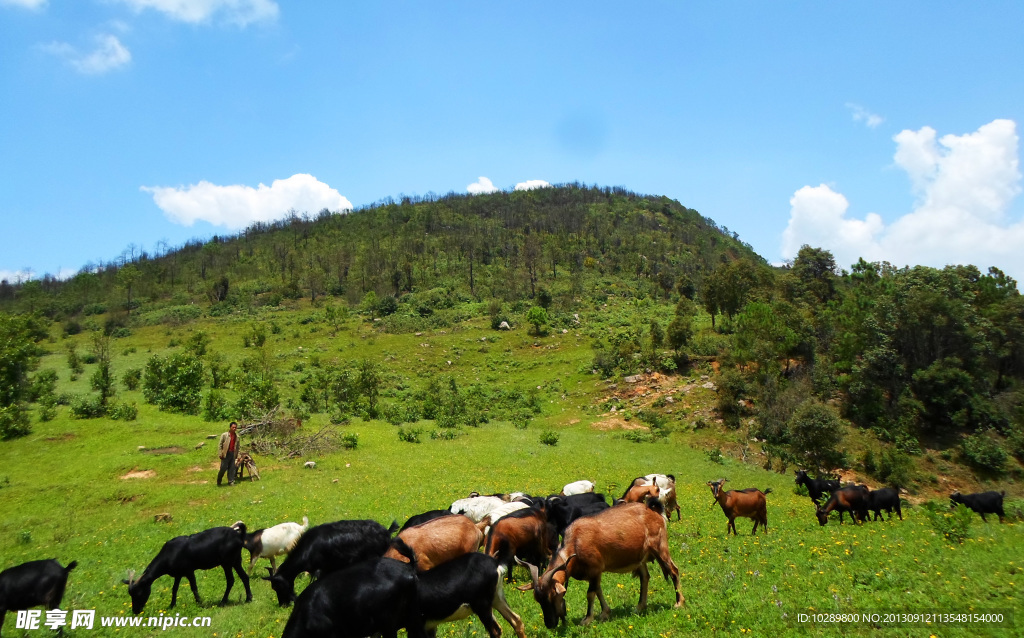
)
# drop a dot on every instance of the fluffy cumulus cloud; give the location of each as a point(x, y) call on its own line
point(241, 12)
point(108, 54)
point(531, 184)
point(481, 186)
point(964, 186)
point(861, 114)
point(25, 4)
point(238, 206)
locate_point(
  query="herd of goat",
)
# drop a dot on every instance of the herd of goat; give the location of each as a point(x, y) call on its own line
point(368, 580)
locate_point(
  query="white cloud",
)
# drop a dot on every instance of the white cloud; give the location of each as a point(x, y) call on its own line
point(240, 12)
point(237, 206)
point(108, 55)
point(481, 186)
point(861, 114)
point(531, 184)
point(16, 276)
point(24, 4)
point(964, 186)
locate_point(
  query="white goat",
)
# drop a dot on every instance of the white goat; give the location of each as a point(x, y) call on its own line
point(477, 507)
point(273, 541)
point(667, 496)
point(578, 487)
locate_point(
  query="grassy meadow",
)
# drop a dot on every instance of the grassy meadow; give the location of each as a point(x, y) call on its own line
point(63, 494)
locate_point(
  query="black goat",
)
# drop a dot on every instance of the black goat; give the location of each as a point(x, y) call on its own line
point(37, 582)
point(470, 583)
point(563, 510)
point(327, 548)
point(181, 556)
point(982, 502)
point(423, 518)
point(818, 487)
point(887, 499)
point(374, 596)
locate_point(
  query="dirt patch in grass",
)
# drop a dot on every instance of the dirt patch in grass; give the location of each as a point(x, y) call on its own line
point(139, 474)
point(615, 423)
point(173, 449)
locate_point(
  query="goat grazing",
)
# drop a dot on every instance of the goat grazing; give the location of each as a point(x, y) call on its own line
point(852, 499)
point(578, 487)
point(373, 596)
point(667, 485)
point(419, 519)
point(37, 582)
point(887, 499)
point(181, 556)
point(563, 510)
point(273, 541)
point(476, 507)
point(639, 491)
point(621, 539)
point(525, 534)
point(327, 548)
point(438, 541)
point(747, 503)
point(470, 583)
point(982, 502)
point(818, 487)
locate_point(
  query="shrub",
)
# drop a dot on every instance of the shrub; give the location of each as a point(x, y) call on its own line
point(954, 525)
point(816, 432)
point(411, 435)
point(715, 456)
point(131, 378)
point(13, 422)
point(895, 468)
point(85, 407)
point(983, 451)
point(123, 411)
point(174, 383)
point(549, 437)
point(350, 441)
point(215, 406)
point(445, 435)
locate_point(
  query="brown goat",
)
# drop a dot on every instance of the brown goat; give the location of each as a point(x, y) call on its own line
point(440, 540)
point(639, 493)
point(747, 503)
point(620, 539)
point(526, 534)
point(852, 499)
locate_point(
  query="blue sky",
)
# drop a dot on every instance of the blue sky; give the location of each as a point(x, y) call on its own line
point(876, 129)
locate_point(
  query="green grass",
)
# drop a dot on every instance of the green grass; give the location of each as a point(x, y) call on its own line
point(64, 497)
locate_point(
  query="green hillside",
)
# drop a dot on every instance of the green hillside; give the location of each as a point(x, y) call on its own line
point(640, 338)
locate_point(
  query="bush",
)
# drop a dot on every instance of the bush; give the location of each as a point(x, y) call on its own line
point(174, 383)
point(816, 432)
point(445, 435)
point(131, 378)
point(215, 407)
point(13, 422)
point(895, 468)
point(715, 456)
point(954, 525)
point(411, 435)
point(549, 437)
point(123, 411)
point(983, 451)
point(87, 408)
point(350, 441)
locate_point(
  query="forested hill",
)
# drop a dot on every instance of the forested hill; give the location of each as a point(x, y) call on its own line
point(900, 361)
point(499, 245)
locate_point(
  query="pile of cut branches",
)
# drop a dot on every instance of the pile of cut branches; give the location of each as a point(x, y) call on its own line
point(274, 435)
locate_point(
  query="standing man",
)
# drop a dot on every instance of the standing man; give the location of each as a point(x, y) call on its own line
point(228, 450)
